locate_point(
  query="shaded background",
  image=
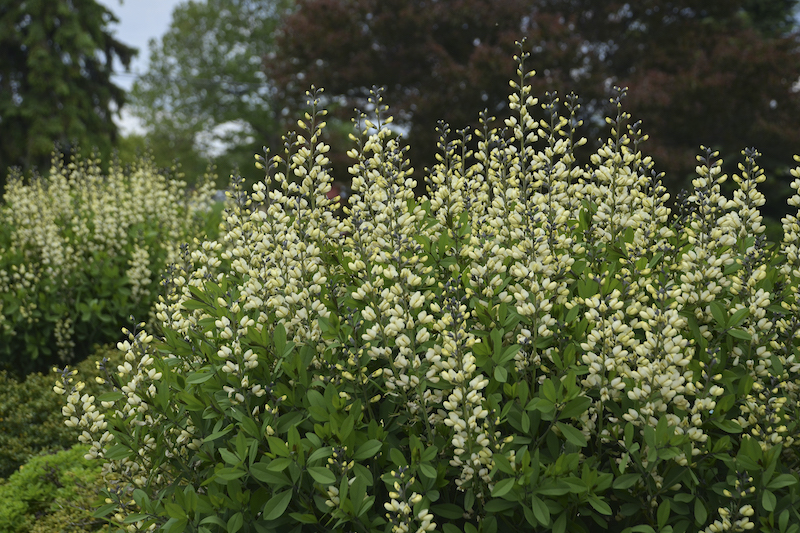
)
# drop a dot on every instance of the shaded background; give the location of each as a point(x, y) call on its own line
point(224, 77)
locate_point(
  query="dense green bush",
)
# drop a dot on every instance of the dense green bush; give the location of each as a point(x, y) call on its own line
point(52, 494)
point(81, 251)
point(31, 422)
point(534, 346)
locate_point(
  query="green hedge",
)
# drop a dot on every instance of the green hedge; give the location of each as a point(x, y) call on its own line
point(52, 494)
point(31, 422)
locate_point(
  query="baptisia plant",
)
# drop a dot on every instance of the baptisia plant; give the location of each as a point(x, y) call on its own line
point(82, 249)
point(532, 346)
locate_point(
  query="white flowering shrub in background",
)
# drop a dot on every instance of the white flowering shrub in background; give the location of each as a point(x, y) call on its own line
point(82, 250)
point(533, 346)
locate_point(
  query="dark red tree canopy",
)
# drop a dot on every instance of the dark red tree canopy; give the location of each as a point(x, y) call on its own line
point(721, 73)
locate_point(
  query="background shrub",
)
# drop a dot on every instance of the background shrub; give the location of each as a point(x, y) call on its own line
point(52, 493)
point(533, 346)
point(81, 251)
point(31, 422)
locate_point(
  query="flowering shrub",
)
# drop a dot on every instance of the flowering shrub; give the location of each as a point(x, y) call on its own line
point(82, 251)
point(533, 346)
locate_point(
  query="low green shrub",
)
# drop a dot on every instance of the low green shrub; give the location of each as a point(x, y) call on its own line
point(31, 422)
point(81, 251)
point(52, 494)
point(533, 346)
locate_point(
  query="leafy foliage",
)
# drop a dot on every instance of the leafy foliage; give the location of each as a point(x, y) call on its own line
point(533, 345)
point(52, 493)
point(56, 60)
point(31, 421)
point(81, 251)
point(204, 86)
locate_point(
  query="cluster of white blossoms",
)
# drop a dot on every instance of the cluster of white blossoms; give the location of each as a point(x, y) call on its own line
point(401, 507)
point(514, 241)
point(81, 229)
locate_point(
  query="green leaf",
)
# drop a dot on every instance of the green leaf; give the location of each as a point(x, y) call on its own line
point(278, 447)
point(448, 510)
point(728, 426)
point(738, 316)
point(322, 475)
point(542, 405)
point(427, 470)
point(175, 525)
point(481, 349)
point(663, 513)
point(235, 523)
point(141, 498)
point(229, 474)
point(769, 501)
point(397, 457)
point(599, 505)
point(199, 377)
point(358, 493)
point(190, 498)
point(503, 487)
point(749, 455)
point(740, 334)
point(279, 340)
point(111, 397)
point(783, 520)
point(781, 481)
point(321, 453)
point(430, 453)
point(496, 336)
point(346, 428)
point(117, 452)
point(718, 313)
point(540, 510)
point(193, 403)
point(279, 465)
point(508, 354)
point(626, 481)
point(217, 434)
point(135, 517)
point(104, 510)
point(367, 450)
point(572, 314)
point(554, 488)
point(560, 525)
point(496, 505)
point(229, 457)
point(500, 374)
point(304, 518)
point(503, 464)
point(174, 510)
point(260, 472)
point(572, 434)
point(316, 399)
point(251, 428)
point(700, 512)
point(549, 390)
point(276, 505)
point(575, 407)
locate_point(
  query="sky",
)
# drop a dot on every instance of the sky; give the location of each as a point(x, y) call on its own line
point(139, 21)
